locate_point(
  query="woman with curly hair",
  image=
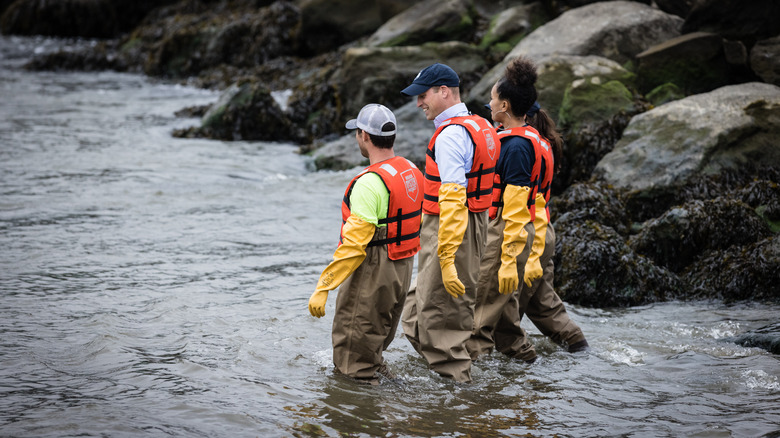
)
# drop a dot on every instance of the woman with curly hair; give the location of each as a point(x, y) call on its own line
point(521, 241)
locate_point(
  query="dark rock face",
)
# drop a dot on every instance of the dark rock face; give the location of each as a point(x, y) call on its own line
point(740, 273)
point(677, 238)
point(595, 267)
point(593, 201)
point(767, 337)
point(735, 19)
point(695, 62)
point(75, 18)
point(246, 112)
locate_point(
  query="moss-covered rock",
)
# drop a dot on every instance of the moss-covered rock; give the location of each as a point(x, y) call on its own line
point(695, 62)
point(672, 145)
point(591, 201)
point(742, 272)
point(677, 238)
point(378, 74)
point(664, 93)
point(511, 25)
point(244, 112)
point(595, 267)
point(590, 101)
point(427, 21)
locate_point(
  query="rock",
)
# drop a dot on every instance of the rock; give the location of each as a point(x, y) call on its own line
point(186, 44)
point(695, 62)
point(763, 196)
point(511, 25)
point(591, 201)
point(589, 101)
point(767, 337)
point(681, 8)
point(617, 30)
point(672, 144)
point(429, 20)
point(243, 112)
point(750, 272)
point(374, 74)
point(735, 19)
point(327, 24)
point(594, 267)
point(765, 60)
point(75, 18)
point(682, 234)
point(664, 93)
point(413, 133)
point(560, 6)
point(557, 73)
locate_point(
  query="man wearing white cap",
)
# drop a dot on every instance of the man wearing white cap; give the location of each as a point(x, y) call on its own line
point(459, 169)
point(380, 234)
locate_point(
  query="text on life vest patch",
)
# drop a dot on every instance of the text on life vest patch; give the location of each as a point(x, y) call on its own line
point(491, 144)
point(412, 187)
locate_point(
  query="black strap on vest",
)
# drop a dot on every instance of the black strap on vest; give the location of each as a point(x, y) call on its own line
point(399, 236)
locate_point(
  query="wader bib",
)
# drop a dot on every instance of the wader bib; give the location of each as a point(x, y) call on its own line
point(368, 310)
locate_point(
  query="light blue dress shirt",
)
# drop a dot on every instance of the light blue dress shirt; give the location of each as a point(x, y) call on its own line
point(454, 149)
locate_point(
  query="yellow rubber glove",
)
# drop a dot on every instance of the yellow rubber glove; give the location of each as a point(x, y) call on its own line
point(453, 219)
point(533, 267)
point(516, 215)
point(356, 234)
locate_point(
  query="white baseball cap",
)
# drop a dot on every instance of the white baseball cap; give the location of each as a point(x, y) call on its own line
point(375, 119)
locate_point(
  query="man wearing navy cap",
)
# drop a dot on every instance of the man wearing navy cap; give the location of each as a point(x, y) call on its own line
point(459, 168)
point(375, 257)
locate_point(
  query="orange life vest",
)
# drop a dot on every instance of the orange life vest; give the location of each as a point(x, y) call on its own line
point(402, 180)
point(549, 168)
point(532, 135)
point(479, 180)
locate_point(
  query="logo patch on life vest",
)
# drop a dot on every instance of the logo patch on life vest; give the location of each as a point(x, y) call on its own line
point(491, 144)
point(412, 188)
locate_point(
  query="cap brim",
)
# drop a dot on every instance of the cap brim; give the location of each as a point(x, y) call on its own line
point(352, 124)
point(415, 89)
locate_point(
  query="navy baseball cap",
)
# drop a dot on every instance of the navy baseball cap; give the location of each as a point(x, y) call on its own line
point(431, 76)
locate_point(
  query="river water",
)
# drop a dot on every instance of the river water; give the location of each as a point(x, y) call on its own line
point(157, 286)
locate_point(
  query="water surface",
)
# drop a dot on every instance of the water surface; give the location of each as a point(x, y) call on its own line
point(158, 286)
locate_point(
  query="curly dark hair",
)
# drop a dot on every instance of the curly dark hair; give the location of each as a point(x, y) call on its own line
point(517, 85)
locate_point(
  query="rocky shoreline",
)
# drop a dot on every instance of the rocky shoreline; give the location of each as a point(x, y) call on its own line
point(670, 110)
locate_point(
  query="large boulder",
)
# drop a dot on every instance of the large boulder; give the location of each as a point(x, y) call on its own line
point(765, 60)
point(413, 133)
point(429, 20)
point(327, 24)
point(378, 74)
point(742, 20)
point(509, 26)
point(75, 18)
point(595, 267)
point(681, 8)
point(593, 201)
point(558, 73)
point(740, 273)
point(616, 30)
point(196, 39)
point(694, 62)
point(668, 146)
point(682, 234)
point(245, 111)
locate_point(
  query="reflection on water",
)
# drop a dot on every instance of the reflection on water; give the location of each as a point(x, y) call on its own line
point(153, 285)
